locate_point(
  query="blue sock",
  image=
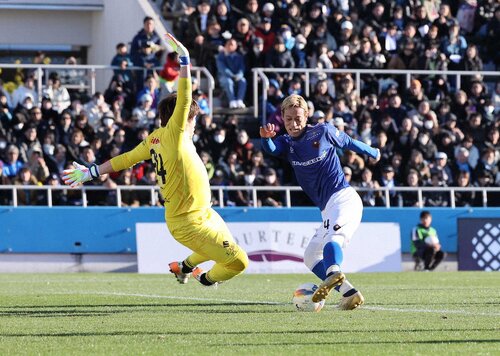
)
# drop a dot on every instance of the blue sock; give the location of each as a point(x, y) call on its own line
point(332, 255)
point(319, 270)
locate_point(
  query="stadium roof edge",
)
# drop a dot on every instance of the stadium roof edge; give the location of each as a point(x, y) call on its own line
point(95, 5)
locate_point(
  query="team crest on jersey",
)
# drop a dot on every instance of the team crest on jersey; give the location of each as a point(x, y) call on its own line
point(291, 149)
point(337, 133)
point(315, 144)
point(155, 141)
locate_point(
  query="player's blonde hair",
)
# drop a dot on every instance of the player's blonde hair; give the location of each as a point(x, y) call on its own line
point(294, 101)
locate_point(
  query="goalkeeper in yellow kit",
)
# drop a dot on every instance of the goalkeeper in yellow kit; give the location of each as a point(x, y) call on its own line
point(183, 182)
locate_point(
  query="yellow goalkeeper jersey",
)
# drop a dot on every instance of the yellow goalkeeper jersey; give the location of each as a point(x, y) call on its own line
point(180, 173)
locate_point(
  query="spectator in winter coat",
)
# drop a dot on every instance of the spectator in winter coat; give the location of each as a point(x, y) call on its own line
point(231, 73)
point(120, 56)
point(279, 57)
point(147, 34)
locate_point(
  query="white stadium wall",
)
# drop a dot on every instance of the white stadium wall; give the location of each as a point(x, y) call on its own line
point(118, 22)
point(70, 23)
point(32, 27)
point(277, 247)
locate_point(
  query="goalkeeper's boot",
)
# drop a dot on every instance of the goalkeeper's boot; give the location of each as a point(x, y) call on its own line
point(333, 280)
point(201, 276)
point(351, 302)
point(176, 268)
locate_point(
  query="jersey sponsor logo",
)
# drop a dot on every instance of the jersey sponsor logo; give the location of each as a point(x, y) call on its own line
point(309, 162)
point(313, 136)
point(155, 141)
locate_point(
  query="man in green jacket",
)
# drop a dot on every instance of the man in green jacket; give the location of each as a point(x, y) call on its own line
point(425, 246)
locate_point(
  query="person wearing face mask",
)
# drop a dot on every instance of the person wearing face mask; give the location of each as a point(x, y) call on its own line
point(95, 109)
point(311, 151)
point(273, 198)
point(22, 112)
point(242, 197)
point(243, 146)
point(3, 145)
point(183, 182)
point(107, 130)
point(488, 112)
point(299, 51)
point(286, 33)
point(254, 58)
point(426, 146)
point(48, 143)
point(57, 161)
point(428, 124)
point(28, 88)
point(217, 145)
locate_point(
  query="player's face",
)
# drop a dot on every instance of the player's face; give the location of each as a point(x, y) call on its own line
point(295, 119)
point(426, 221)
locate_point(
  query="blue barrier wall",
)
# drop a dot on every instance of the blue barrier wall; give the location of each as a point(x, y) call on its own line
point(112, 230)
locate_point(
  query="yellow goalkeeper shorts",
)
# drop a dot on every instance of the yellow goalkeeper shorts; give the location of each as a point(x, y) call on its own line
point(207, 234)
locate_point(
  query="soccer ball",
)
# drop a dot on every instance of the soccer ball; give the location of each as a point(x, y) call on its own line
point(302, 298)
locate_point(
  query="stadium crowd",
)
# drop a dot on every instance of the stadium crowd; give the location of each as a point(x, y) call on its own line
point(433, 133)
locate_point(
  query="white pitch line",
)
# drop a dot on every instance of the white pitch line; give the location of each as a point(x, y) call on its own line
point(438, 311)
point(239, 301)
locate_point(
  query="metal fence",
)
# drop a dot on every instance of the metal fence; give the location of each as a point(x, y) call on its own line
point(84, 76)
point(260, 75)
point(220, 191)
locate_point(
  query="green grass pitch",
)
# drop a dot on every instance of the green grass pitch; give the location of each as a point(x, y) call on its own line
point(132, 314)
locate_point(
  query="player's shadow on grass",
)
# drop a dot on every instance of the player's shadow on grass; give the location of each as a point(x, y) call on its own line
point(253, 332)
point(53, 311)
point(350, 342)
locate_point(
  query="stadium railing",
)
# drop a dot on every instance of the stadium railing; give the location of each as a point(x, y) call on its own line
point(220, 191)
point(83, 77)
point(261, 73)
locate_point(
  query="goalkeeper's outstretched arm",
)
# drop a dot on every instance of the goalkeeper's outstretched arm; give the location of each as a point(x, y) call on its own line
point(184, 95)
point(81, 174)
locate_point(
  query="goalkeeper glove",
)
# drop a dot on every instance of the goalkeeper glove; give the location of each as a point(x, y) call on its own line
point(179, 48)
point(80, 174)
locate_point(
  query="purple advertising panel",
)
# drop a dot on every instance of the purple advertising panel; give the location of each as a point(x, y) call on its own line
point(479, 244)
